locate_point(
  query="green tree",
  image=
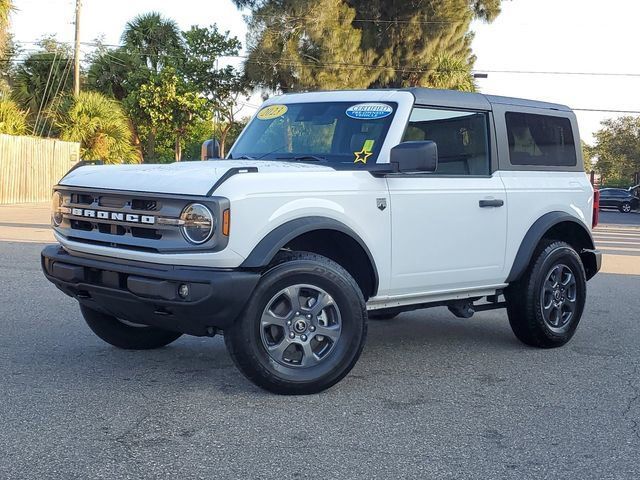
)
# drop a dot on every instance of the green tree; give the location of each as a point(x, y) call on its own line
point(11, 51)
point(6, 7)
point(40, 82)
point(99, 124)
point(13, 121)
point(169, 107)
point(220, 87)
point(116, 73)
point(617, 150)
point(155, 39)
point(309, 44)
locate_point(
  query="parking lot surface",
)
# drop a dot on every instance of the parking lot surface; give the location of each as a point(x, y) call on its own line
point(432, 396)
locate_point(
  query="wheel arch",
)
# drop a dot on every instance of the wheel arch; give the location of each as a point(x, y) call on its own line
point(324, 236)
point(557, 226)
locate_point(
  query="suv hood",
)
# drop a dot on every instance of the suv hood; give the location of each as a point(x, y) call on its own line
point(184, 178)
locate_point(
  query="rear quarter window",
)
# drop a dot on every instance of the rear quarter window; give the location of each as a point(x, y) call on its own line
point(540, 140)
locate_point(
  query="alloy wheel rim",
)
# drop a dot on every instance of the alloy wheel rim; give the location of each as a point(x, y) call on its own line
point(300, 326)
point(626, 208)
point(559, 297)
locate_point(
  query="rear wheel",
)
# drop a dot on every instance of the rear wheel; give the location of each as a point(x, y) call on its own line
point(546, 304)
point(304, 327)
point(127, 335)
point(625, 207)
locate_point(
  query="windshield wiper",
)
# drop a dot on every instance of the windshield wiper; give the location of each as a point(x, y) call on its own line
point(243, 157)
point(304, 158)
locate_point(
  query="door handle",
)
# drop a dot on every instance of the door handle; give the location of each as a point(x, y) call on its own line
point(491, 203)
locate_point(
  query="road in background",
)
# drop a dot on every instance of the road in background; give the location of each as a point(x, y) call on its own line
point(618, 238)
point(432, 396)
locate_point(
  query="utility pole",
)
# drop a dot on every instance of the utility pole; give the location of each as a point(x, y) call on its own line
point(76, 52)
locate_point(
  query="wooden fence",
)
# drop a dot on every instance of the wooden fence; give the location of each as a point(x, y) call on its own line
point(30, 166)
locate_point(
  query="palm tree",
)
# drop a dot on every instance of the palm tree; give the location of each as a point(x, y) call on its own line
point(115, 73)
point(13, 121)
point(100, 125)
point(41, 78)
point(449, 73)
point(157, 40)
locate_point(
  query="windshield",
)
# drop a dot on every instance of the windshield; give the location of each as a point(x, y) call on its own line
point(333, 132)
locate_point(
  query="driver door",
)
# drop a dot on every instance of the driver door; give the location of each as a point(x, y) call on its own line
point(448, 227)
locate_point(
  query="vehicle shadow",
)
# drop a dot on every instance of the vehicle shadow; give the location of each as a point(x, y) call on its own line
point(192, 364)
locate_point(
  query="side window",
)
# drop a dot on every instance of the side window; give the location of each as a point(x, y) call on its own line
point(540, 140)
point(462, 139)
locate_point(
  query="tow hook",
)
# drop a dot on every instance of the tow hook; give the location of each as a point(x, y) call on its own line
point(461, 309)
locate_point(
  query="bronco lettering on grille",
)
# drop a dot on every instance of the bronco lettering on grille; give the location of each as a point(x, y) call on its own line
point(115, 216)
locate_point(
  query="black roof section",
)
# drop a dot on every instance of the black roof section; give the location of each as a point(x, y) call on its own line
point(479, 101)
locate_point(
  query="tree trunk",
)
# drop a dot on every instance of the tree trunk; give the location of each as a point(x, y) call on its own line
point(151, 147)
point(135, 139)
point(223, 141)
point(178, 147)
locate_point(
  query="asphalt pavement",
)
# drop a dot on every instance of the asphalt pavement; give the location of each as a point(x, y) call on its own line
point(432, 396)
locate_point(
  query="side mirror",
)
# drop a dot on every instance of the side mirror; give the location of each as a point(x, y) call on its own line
point(415, 157)
point(210, 149)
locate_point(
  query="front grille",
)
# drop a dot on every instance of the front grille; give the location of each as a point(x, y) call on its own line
point(131, 220)
point(146, 205)
point(113, 202)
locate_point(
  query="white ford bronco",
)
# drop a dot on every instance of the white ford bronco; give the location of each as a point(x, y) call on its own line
point(332, 208)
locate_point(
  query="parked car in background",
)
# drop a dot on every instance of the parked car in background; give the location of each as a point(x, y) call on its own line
point(618, 198)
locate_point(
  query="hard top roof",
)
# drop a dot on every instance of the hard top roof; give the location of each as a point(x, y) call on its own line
point(454, 98)
point(434, 97)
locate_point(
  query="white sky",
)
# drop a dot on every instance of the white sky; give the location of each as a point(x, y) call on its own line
point(529, 35)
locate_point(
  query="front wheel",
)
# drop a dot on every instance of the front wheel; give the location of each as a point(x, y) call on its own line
point(304, 327)
point(546, 304)
point(625, 207)
point(127, 335)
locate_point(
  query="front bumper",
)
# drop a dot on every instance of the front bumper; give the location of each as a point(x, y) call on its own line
point(148, 293)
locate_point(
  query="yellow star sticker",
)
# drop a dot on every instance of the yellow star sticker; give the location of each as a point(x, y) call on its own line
point(362, 156)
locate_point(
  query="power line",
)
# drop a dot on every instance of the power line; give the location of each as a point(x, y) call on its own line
point(57, 97)
point(536, 72)
point(636, 112)
point(366, 20)
point(44, 96)
point(365, 65)
point(352, 66)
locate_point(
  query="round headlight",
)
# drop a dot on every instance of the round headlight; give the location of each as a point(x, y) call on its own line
point(198, 223)
point(56, 203)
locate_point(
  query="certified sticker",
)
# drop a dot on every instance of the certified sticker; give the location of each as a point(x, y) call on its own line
point(369, 111)
point(272, 111)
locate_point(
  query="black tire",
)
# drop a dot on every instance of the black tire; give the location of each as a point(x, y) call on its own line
point(128, 337)
point(529, 319)
point(291, 272)
point(625, 207)
point(383, 316)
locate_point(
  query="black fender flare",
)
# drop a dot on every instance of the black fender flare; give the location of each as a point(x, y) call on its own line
point(533, 236)
point(268, 247)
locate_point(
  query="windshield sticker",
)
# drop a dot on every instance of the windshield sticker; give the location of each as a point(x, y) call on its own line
point(272, 111)
point(363, 155)
point(369, 111)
